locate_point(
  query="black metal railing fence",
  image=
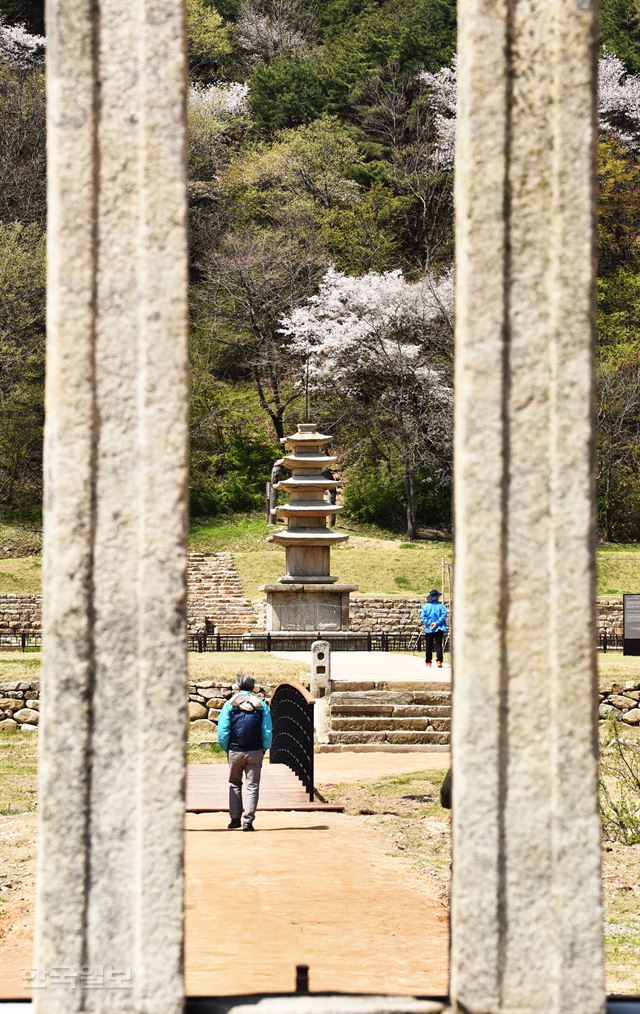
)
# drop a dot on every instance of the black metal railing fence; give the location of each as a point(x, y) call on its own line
point(606, 640)
point(293, 741)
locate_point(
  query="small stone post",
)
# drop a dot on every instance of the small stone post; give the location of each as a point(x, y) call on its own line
point(110, 882)
point(320, 668)
point(526, 908)
point(321, 687)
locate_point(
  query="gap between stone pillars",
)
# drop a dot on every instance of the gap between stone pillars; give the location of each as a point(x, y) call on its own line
point(526, 908)
point(110, 881)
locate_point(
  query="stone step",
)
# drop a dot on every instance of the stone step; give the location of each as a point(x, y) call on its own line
point(392, 697)
point(419, 686)
point(386, 724)
point(389, 710)
point(389, 737)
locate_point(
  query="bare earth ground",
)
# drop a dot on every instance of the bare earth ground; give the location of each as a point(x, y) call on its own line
point(305, 866)
point(326, 892)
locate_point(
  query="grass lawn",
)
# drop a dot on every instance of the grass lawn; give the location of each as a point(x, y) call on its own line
point(20, 539)
point(377, 567)
point(18, 665)
point(613, 665)
point(22, 575)
point(224, 665)
point(18, 770)
point(379, 562)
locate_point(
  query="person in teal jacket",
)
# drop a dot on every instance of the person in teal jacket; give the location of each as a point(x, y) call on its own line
point(244, 733)
point(434, 619)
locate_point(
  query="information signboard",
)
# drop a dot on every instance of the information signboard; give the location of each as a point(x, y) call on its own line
point(631, 625)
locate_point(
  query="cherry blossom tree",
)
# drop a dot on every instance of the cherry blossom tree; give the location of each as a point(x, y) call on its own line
point(444, 85)
point(619, 100)
point(18, 47)
point(618, 105)
point(264, 29)
point(383, 344)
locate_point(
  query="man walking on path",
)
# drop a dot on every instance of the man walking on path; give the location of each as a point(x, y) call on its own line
point(244, 733)
point(434, 618)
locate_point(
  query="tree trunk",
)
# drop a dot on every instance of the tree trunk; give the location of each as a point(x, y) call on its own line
point(607, 507)
point(409, 491)
point(278, 423)
point(275, 414)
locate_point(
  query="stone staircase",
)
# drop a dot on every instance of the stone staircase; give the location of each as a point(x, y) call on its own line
point(215, 595)
point(389, 716)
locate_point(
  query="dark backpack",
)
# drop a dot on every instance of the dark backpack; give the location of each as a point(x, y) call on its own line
point(246, 724)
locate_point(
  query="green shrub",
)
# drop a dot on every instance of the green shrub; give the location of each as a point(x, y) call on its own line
point(620, 785)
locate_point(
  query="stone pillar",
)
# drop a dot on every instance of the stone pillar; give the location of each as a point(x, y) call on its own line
point(111, 793)
point(526, 909)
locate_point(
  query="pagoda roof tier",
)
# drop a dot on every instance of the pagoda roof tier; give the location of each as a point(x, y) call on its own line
point(307, 509)
point(317, 461)
point(312, 437)
point(307, 537)
point(299, 482)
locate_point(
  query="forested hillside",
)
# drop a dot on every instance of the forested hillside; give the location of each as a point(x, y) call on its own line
point(320, 190)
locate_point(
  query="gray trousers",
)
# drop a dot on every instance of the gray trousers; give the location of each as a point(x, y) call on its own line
point(248, 762)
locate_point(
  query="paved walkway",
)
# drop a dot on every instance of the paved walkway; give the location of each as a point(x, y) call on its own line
point(376, 665)
point(334, 768)
point(317, 889)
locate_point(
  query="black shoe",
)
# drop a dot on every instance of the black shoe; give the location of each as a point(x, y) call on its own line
point(234, 824)
point(248, 827)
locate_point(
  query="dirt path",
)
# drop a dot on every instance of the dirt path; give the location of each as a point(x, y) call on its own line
point(315, 889)
point(17, 898)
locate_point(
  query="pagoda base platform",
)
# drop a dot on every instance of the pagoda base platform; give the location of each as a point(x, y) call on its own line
point(297, 608)
point(301, 640)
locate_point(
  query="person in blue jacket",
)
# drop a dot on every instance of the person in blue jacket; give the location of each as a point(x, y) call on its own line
point(244, 733)
point(434, 619)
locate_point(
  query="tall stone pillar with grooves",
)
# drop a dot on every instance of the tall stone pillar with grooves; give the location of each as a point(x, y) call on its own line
point(307, 598)
point(113, 685)
point(526, 914)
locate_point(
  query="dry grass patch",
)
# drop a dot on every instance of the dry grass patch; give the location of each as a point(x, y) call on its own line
point(18, 771)
point(613, 665)
point(225, 665)
point(407, 809)
point(22, 575)
point(378, 567)
point(20, 665)
point(621, 882)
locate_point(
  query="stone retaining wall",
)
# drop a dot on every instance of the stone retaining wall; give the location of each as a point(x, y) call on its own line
point(20, 703)
point(20, 614)
point(621, 701)
point(379, 615)
point(215, 595)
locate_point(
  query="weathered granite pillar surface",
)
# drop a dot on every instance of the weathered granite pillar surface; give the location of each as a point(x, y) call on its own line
point(526, 911)
point(111, 794)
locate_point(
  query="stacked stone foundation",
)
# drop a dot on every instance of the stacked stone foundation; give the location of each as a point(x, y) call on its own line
point(373, 714)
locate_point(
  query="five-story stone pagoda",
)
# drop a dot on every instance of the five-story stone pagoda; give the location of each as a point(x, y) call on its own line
point(307, 598)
